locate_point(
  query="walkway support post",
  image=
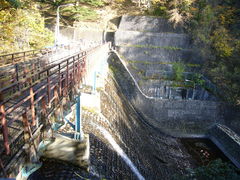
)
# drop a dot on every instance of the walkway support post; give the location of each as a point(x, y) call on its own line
point(30, 146)
point(4, 129)
point(59, 80)
point(48, 88)
point(32, 107)
point(78, 121)
point(44, 115)
point(26, 136)
point(3, 169)
point(17, 76)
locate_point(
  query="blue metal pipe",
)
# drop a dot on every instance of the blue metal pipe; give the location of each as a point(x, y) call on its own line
point(71, 124)
point(78, 115)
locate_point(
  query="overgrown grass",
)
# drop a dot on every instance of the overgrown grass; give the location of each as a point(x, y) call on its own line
point(155, 63)
point(95, 3)
point(182, 85)
point(81, 13)
point(178, 70)
point(216, 169)
point(113, 69)
point(177, 75)
point(153, 47)
point(158, 10)
point(140, 72)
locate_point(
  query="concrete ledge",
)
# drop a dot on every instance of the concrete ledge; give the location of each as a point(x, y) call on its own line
point(228, 141)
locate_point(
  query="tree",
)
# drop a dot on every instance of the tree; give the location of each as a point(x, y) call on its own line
point(22, 29)
point(6, 4)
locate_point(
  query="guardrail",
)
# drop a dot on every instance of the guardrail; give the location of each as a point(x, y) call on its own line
point(13, 58)
point(38, 91)
point(15, 64)
point(55, 78)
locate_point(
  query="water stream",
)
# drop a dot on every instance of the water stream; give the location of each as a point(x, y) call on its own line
point(119, 150)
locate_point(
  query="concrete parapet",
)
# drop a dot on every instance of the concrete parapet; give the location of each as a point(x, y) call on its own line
point(228, 141)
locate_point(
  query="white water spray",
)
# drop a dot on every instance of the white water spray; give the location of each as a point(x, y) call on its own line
point(119, 150)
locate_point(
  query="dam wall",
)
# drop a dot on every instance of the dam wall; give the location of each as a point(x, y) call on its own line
point(180, 118)
point(174, 117)
point(152, 152)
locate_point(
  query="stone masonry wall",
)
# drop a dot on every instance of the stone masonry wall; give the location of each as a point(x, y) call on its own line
point(175, 117)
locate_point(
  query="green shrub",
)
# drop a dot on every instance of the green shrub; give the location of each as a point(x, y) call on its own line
point(178, 70)
point(81, 13)
point(216, 170)
point(222, 42)
point(159, 11)
point(95, 3)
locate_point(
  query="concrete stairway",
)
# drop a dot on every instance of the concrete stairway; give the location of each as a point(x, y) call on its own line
point(151, 46)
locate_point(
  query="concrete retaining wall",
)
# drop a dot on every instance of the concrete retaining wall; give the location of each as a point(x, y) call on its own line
point(81, 35)
point(228, 141)
point(175, 117)
point(151, 39)
point(159, 55)
point(141, 23)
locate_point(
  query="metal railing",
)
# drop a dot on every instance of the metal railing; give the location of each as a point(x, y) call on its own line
point(12, 58)
point(38, 91)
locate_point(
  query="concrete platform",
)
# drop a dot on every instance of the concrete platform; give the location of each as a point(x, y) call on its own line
point(67, 149)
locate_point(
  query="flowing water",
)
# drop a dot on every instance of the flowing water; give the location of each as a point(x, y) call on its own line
point(118, 149)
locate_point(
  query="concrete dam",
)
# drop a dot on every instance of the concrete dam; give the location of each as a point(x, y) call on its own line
point(137, 113)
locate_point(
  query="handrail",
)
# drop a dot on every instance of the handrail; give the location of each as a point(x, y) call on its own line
point(15, 74)
point(54, 81)
point(14, 56)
